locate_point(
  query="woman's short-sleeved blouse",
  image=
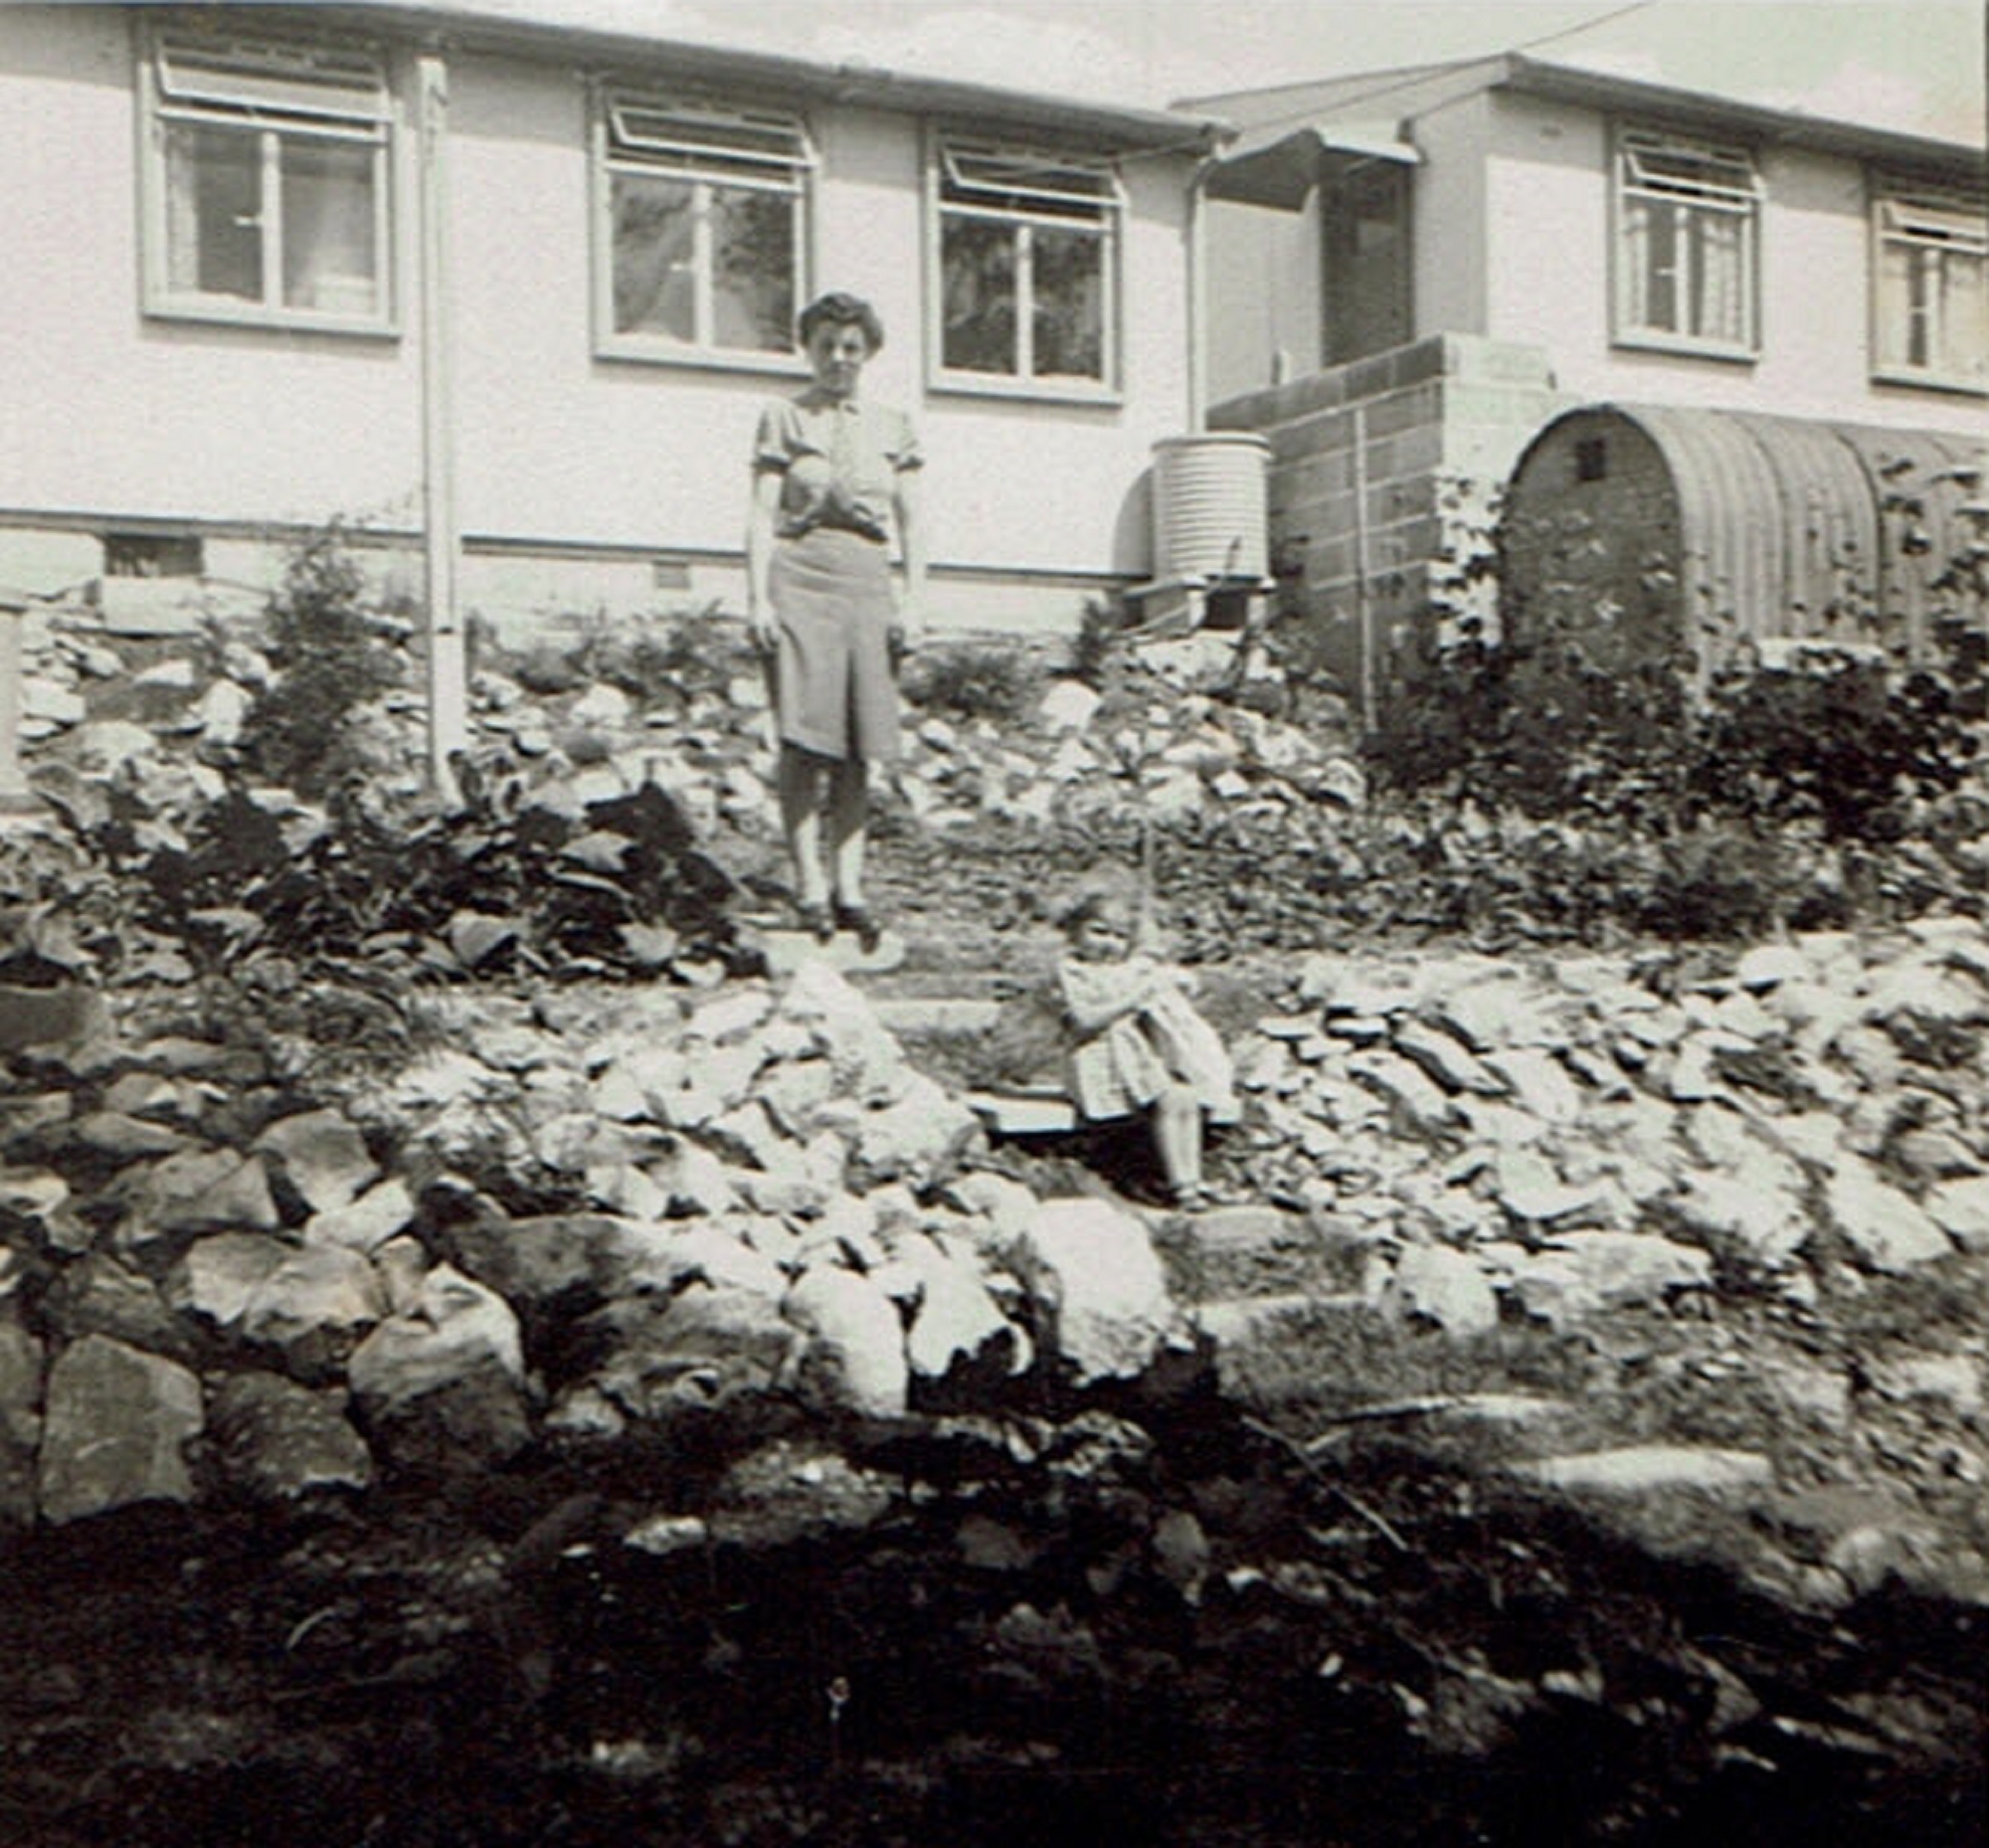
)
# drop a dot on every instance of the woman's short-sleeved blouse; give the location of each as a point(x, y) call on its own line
point(839, 458)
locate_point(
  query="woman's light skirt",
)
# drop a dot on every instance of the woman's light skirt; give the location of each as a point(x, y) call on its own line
point(834, 686)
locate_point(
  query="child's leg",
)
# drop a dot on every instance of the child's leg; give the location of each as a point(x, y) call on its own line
point(1178, 1137)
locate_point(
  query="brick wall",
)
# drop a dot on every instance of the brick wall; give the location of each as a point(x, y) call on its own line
point(1385, 462)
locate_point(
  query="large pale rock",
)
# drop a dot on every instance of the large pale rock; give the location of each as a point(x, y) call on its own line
point(1417, 1106)
point(1769, 964)
point(1068, 705)
point(365, 1222)
point(1886, 1228)
point(117, 1426)
point(956, 1321)
point(218, 1276)
point(1922, 991)
point(276, 1440)
point(442, 1386)
point(794, 1093)
point(127, 1138)
point(221, 711)
point(710, 1253)
point(51, 1020)
point(602, 705)
point(1446, 1059)
point(1007, 1207)
point(20, 1417)
point(870, 1066)
point(855, 1359)
point(1955, 1378)
point(32, 1122)
point(315, 1306)
point(740, 1010)
point(1646, 1469)
point(1582, 1274)
point(1539, 1082)
point(1095, 1275)
point(1489, 1015)
point(98, 1295)
point(1961, 1209)
point(322, 1155)
point(700, 1351)
point(535, 1261)
point(1433, 1283)
point(918, 1137)
point(1532, 1191)
point(198, 1191)
point(1766, 1223)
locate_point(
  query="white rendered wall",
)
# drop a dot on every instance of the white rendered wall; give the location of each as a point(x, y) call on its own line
point(108, 414)
point(1547, 241)
point(105, 411)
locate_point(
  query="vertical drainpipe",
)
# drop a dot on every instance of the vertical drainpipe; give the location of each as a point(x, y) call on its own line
point(1197, 293)
point(16, 797)
point(1363, 596)
point(447, 669)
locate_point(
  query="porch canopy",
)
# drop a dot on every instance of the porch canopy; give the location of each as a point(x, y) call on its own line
point(1282, 172)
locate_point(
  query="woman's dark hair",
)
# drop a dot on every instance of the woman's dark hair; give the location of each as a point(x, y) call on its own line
point(843, 311)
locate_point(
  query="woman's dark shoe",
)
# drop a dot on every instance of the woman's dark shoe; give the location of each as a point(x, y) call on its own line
point(859, 920)
point(816, 921)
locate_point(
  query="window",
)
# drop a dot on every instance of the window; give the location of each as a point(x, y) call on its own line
point(267, 184)
point(1931, 288)
point(701, 229)
point(1688, 220)
point(1027, 247)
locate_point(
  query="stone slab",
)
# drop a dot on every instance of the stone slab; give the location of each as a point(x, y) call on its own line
point(1024, 1113)
point(789, 950)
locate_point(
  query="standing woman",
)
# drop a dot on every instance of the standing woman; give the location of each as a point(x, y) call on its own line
point(834, 475)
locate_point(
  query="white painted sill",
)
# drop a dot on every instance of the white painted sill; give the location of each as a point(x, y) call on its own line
point(273, 321)
point(1684, 347)
point(701, 359)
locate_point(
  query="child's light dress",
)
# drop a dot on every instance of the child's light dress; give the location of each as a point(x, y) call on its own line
point(1120, 1070)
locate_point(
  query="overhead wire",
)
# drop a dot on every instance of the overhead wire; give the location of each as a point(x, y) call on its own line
point(1397, 82)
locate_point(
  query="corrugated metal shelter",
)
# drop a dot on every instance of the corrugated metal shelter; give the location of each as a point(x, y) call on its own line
point(1641, 529)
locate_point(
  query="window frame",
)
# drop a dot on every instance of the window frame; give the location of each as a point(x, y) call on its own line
point(259, 84)
point(612, 96)
point(1896, 193)
point(1103, 210)
point(1742, 199)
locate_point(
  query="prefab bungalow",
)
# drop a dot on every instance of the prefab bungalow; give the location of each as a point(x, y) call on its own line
point(509, 295)
point(1411, 271)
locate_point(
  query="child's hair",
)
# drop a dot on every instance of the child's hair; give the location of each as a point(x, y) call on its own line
point(1100, 895)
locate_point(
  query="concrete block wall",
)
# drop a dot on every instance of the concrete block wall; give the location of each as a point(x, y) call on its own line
point(1386, 461)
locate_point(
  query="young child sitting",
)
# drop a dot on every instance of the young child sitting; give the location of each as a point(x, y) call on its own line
point(1136, 1045)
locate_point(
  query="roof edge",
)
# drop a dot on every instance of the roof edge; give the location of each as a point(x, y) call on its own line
point(470, 28)
point(1791, 128)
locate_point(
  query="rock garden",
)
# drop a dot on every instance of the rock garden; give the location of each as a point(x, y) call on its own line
point(497, 1347)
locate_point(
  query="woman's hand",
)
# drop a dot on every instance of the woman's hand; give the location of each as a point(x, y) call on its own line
point(908, 630)
point(762, 627)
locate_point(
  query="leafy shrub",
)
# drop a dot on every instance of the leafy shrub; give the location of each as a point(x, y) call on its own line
point(975, 681)
point(659, 661)
point(1100, 626)
point(335, 656)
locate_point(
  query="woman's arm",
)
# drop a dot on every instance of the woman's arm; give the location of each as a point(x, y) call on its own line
point(912, 538)
point(760, 518)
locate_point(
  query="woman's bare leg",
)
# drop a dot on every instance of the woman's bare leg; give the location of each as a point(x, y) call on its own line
point(848, 813)
point(799, 783)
